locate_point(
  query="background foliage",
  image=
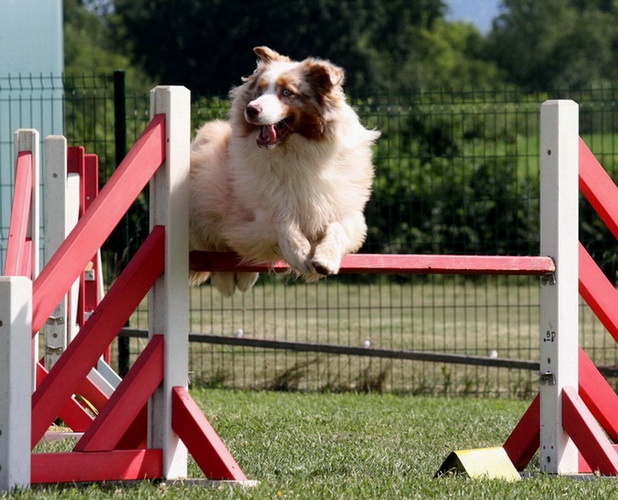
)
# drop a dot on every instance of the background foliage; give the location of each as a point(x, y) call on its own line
point(457, 170)
point(556, 43)
point(389, 45)
point(448, 178)
point(206, 45)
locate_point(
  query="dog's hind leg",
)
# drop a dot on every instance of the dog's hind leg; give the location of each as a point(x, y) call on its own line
point(224, 282)
point(227, 283)
point(245, 281)
point(295, 249)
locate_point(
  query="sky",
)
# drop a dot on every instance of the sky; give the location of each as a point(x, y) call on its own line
point(477, 12)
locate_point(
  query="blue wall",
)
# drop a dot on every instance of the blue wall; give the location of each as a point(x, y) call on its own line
point(31, 66)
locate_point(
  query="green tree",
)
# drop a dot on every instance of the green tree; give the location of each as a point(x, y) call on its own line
point(556, 43)
point(89, 46)
point(90, 60)
point(444, 55)
point(207, 45)
point(383, 44)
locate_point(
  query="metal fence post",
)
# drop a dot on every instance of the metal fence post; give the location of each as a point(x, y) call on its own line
point(120, 142)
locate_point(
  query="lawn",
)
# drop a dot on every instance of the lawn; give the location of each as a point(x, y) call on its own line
point(351, 446)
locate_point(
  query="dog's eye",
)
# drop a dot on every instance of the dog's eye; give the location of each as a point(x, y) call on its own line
point(287, 93)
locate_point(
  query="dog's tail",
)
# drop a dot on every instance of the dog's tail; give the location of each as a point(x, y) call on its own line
point(196, 278)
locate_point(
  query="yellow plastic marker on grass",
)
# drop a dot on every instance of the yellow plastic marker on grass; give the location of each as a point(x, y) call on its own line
point(491, 463)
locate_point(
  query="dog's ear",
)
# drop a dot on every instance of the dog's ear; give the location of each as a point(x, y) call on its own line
point(267, 55)
point(323, 75)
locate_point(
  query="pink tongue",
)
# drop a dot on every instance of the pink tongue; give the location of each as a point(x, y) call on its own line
point(268, 135)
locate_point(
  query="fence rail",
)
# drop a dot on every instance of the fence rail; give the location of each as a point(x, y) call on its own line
point(434, 357)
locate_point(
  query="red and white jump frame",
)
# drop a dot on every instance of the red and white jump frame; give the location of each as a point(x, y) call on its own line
point(147, 426)
point(574, 420)
point(140, 430)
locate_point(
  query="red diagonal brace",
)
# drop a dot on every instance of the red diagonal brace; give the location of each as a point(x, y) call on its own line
point(524, 440)
point(136, 434)
point(98, 222)
point(104, 324)
point(598, 188)
point(598, 395)
point(127, 401)
point(88, 389)
point(73, 413)
point(202, 441)
point(17, 251)
point(598, 292)
point(587, 434)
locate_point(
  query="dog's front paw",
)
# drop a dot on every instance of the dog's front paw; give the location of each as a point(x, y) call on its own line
point(298, 255)
point(326, 259)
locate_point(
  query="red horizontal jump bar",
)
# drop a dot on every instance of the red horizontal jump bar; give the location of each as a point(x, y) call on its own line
point(391, 264)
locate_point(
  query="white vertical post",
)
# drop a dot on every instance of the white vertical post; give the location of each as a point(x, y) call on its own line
point(559, 296)
point(169, 299)
point(15, 381)
point(61, 199)
point(55, 218)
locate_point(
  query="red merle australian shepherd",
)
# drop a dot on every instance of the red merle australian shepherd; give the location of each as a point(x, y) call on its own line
point(287, 177)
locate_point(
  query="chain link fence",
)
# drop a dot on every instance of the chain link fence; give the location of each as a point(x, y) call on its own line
point(456, 172)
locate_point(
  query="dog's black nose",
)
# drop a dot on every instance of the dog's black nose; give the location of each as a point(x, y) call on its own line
point(253, 110)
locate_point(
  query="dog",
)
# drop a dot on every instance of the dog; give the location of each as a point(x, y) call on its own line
point(286, 177)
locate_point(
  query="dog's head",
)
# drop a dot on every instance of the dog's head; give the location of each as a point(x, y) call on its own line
point(285, 97)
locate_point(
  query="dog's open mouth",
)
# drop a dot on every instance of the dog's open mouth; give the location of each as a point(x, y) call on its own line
point(271, 135)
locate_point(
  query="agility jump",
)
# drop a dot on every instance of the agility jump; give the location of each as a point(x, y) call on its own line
point(573, 421)
point(143, 429)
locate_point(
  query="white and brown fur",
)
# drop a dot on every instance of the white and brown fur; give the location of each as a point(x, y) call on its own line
point(287, 177)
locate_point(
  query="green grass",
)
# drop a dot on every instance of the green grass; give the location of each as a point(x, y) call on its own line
point(351, 446)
